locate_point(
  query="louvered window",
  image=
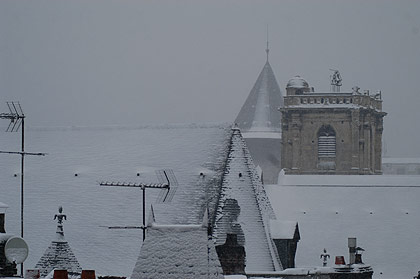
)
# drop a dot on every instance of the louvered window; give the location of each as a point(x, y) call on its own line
point(326, 146)
point(326, 142)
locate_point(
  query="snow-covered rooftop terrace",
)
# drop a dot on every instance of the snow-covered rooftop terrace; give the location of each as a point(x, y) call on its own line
point(386, 160)
point(382, 211)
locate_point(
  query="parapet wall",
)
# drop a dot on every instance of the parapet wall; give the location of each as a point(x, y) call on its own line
point(341, 99)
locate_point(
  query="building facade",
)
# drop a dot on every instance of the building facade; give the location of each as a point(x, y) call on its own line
point(331, 133)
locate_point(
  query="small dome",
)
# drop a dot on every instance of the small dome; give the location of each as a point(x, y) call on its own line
point(297, 82)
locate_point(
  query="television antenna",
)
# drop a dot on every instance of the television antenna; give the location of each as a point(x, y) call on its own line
point(17, 120)
point(167, 175)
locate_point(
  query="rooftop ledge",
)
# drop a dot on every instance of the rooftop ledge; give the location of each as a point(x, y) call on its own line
point(333, 100)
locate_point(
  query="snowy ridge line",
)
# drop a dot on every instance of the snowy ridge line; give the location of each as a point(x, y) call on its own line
point(213, 204)
point(177, 226)
point(274, 253)
point(131, 127)
point(262, 198)
point(263, 203)
point(244, 219)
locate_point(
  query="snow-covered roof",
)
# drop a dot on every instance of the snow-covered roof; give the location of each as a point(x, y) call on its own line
point(382, 211)
point(179, 251)
point(311, 272)
point(349, 180)
point(386, 160)
point(260, 110)
point(244, 209)
point(297, 82)
point(281, 229)
point(3, 207)
point(58, 256)
point(110, 154)
point(4, 237)
point(261, 135)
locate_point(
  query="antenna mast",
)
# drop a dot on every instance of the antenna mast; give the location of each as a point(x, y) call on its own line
point(165, 185)
point(17, 120)
point(267, 50)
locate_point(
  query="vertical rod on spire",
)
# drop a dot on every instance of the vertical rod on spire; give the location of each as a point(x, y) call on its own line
point(144, 213)
point(267, 50)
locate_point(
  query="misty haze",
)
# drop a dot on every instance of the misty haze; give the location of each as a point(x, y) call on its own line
point(260, 132)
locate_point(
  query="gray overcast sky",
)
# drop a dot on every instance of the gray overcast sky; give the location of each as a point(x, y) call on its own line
point(140, 62)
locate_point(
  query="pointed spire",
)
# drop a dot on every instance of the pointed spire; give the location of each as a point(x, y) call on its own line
point(267, 50)
point(260, 110)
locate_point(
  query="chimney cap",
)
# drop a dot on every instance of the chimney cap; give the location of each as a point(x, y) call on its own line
point(3, 208)
point(352, 242)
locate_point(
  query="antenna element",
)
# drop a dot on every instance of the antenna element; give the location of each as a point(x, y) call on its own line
point(267, 50)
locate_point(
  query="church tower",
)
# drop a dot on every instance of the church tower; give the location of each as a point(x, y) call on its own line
point(260, 123)
point(332, 132)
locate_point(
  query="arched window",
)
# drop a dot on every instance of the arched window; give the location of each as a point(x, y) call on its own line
point(326, 142)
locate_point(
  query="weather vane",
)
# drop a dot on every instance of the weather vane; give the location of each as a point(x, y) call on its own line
point(324, 256)
point(336, 81)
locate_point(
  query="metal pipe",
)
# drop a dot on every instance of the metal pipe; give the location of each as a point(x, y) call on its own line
point(21, 187)
point(144, 213)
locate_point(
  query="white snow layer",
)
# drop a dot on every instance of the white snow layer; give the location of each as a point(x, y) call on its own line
point(247, 218)
point(174, 252)
point(400, 160)
point(331, 208)
point(3, 207)
point(261, 135)
point(116, 154)
point(281, 229)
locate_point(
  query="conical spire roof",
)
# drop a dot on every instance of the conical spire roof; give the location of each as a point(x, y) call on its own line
point(260, 113)
point(59, 254)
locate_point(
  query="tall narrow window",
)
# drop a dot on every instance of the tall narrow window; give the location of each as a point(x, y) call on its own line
point(326, 142)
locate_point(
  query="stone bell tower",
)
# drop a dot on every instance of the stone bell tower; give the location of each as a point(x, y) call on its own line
point(332, 132)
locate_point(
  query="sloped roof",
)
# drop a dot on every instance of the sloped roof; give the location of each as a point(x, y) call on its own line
point(111, 154)
point(260, 111)
point(281, 229)
point(58, 256)
point(381, 211)
point(177, 251)
point(244, 209)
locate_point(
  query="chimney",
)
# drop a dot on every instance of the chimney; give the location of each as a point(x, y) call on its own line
point(3, 208)
point(2, 223)
point(32, 274)
point(352, 250)
point(88, 274)
point(231, 256)
point(60, 274)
